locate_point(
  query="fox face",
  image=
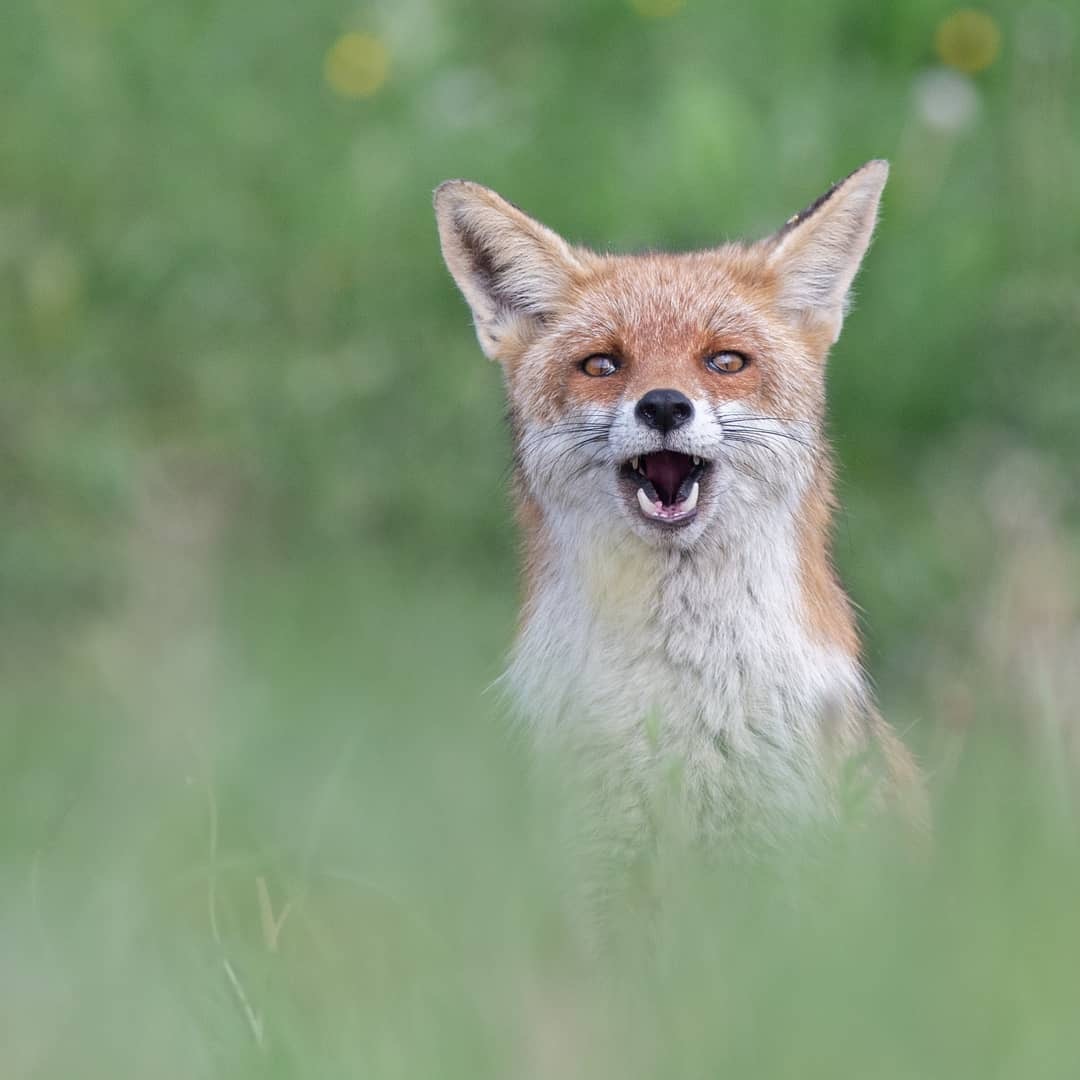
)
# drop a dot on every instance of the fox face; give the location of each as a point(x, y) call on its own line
point(671, 394)
point(674, 490)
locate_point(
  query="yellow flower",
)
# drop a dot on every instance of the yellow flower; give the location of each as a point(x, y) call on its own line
point(968, 40)
point(356, 65)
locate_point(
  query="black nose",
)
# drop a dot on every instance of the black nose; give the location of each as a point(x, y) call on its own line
point(664, 410)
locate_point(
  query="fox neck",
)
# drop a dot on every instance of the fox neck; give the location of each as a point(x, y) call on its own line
point(751, 631)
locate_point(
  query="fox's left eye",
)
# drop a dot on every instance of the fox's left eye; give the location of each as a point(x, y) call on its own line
point(727, 363)
point(600, 365)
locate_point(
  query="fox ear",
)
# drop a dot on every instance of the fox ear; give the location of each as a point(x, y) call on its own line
point(817, 253)
point(512, 270)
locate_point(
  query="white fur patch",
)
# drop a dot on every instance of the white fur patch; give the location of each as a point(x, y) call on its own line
point(696, 656)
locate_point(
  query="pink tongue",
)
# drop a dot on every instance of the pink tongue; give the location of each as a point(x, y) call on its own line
point(666, 470)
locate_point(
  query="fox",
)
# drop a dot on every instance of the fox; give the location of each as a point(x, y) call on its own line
point(675, 490)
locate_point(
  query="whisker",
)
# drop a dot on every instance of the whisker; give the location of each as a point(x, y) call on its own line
point(724, 419)
point(781, 419)
point(559, 431)
point(753, 440)
point(586, 467)
point(573, 448)
point(740, 427)
point(741, 466)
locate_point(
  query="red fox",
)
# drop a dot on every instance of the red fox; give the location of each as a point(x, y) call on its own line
point(674, 489)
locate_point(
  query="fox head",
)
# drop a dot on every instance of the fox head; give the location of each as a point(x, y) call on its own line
point(671, 394)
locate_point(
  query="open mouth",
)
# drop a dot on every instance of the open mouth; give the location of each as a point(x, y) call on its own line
point(668, 485)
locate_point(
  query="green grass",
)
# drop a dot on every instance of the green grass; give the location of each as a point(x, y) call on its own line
point(320, 737)
point(258, 815)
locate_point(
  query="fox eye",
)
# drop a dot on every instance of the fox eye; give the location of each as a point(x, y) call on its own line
point(727, 363)
point(600, 365)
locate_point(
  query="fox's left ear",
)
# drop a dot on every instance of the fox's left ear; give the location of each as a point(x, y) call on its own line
point(817, 253)
point(512, 270)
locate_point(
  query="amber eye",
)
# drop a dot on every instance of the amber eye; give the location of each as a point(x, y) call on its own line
point(599, 365)
point(727, 363)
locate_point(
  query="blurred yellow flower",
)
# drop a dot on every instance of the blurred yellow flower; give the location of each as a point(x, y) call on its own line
point(968, 40)
point(657, 9)
point(356, 65)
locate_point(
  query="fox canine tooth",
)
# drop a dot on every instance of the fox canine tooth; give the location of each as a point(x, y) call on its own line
point(697, 460)
point(634, 463)
point(646, 506)
point(691, 499)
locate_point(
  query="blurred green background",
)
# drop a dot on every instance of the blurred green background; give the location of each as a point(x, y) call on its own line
point(258, 814)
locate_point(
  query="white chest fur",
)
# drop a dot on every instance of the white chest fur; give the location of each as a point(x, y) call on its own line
point(703, 657)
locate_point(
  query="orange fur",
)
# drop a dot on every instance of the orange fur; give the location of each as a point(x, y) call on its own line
point(542, 307)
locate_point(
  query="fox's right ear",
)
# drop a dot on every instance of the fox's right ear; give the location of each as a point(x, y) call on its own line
point(817, 253)
point(512, 270)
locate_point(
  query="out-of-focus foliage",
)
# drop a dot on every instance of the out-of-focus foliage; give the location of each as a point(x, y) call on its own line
point(257, 562)
point(216, 246)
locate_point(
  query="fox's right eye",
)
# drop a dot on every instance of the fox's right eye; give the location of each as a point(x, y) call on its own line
point(599, 365)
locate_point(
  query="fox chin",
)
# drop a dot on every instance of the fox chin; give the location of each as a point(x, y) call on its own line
point(674, 489)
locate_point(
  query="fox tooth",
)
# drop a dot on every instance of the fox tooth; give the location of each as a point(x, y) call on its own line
point(646, 506)
point(697, 460)
point(691, 499)
point(634, 463)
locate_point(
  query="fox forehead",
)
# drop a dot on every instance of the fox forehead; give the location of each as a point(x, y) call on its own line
point(661, 315)
point(656, 304)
